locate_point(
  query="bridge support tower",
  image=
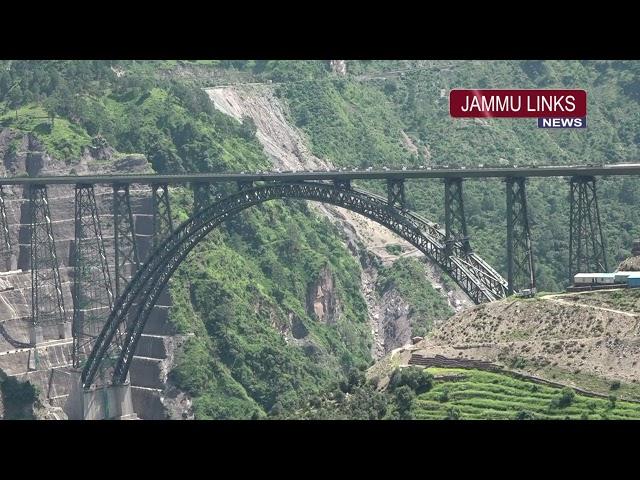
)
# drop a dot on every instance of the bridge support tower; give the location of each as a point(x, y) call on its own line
point(520, 268)
point(47, 301)
point(586, 240)
point(162, 221)
point(92, 291)
point(454, 218)
point(395, 193)
point(126, 258)
point(204, 194)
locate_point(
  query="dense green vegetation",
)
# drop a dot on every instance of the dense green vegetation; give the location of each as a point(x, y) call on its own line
point(407, 276)
point(243, 292)
point(358, 399)
point(258, 350)
point(480, 395)
point(360, 122)
point(18, 398)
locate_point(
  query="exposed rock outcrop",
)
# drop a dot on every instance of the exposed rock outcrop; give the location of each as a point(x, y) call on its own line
point(287, 147)
point(338, 66)
point(322, 299)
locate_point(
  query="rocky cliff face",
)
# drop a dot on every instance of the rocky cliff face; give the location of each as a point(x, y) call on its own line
point(338, 66)
point(322, 299)
point(287, 148)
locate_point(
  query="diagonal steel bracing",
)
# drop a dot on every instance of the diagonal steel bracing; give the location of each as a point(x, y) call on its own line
point(204, 194)
point(162, 222)
point(520, 270)
point(395, 193)
point(586, 240)
point(125, 248)
point(92, 292)
point(47, 301)
point(454, 218)
point(342, 184)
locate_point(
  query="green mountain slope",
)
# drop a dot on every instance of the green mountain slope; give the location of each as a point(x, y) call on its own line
point(258, 347)
point(477, 395)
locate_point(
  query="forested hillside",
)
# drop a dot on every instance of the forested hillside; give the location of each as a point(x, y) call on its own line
point(257, 344)
point(259, 348)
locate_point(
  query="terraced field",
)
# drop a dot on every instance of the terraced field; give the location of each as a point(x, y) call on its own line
point(480, 395)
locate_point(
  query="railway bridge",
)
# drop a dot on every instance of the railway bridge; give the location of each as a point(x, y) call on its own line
point(104, 345)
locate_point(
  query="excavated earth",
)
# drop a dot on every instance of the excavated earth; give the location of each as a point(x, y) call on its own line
point(48, 366)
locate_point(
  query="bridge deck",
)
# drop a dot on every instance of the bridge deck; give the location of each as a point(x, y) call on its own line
point(492, 172)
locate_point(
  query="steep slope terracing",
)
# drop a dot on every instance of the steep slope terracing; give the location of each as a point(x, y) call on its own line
point(589, 340)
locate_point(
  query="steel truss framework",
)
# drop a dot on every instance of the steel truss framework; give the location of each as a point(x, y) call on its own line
point(476, 278)
point(92, 293)
point(395, 193)
point(125, 248)
point(162, 222)
point(5, 242)
point(586, 241)
point(454, 218)
point(203, 192)
point(47, 301)
point(520, 270)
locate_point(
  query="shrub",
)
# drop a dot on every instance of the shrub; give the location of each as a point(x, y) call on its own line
point(453, 413)
point(615, 385)
point(525, 415)
point(404, 400)
point(416, 378)
point(564, 399)
point(444, 396)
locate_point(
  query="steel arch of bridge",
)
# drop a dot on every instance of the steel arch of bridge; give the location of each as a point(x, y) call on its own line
point(480, 281)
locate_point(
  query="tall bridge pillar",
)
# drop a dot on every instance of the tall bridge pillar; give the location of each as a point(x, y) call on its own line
point(47, 302)
point(520, 270)
point(162, 222)
point(395, 193)
point(586, 240)
point(126, 258)
point(204, 193)
point(92, 292)
point(454, 218)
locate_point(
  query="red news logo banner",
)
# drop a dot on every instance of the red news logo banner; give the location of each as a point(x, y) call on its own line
point(517, 103)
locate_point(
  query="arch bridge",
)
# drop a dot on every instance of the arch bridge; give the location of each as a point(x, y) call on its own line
point(103, 349)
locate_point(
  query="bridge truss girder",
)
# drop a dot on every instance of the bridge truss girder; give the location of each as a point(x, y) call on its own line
point(92, 293)
point(470, 273)
point(454, 217)
point(47, 301)
point(344, 184)
point(520, 268)
point(586, 241)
